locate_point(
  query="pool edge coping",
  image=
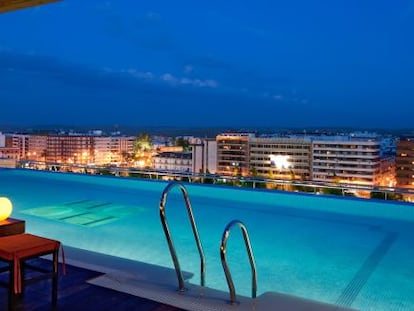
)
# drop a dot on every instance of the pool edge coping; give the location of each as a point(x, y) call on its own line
point(159, 284)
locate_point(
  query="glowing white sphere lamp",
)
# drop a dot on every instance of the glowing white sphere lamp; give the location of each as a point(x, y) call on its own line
point(5, 208)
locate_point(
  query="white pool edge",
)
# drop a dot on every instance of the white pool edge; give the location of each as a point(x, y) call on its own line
point(160, 284)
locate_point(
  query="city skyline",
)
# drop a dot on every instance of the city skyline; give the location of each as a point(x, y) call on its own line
point(256, 64)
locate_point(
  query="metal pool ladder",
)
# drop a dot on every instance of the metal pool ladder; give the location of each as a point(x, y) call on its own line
point(169, 239)
point(223, 249)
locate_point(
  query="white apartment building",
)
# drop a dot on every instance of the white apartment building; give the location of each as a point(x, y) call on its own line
point(173, 161)
point(204, 154)
point(102, 151)
point(347, 159)
point(113, 149)
point(281, 157)
point(2, 140)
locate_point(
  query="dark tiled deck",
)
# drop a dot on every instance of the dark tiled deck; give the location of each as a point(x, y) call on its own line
point(76, 294)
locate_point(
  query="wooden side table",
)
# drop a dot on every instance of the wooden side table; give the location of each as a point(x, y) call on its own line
point(14, 251)
point(11, 226)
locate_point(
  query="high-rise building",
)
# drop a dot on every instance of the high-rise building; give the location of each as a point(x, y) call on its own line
point(113, 149)
point(37, 148)
point(204, 155)
point(281, 157)
point(71, 149)
point(347, 159)
point(404, 162)
point(233, 154)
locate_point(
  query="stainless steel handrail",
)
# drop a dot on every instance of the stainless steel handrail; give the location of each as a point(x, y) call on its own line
point(169, 239)
point(223, 249)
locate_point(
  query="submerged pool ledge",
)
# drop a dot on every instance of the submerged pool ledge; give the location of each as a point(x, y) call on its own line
point(160, 284)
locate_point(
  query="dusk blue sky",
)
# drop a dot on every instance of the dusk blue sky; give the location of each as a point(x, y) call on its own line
point(295, 63)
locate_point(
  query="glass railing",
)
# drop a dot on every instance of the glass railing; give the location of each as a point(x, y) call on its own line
point(316, 187)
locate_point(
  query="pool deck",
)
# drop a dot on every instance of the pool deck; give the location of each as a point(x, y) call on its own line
point(100, 282)
point(76, 293)
point(159, 284)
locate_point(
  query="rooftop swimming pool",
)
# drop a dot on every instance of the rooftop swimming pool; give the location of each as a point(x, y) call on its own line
point(345, 251)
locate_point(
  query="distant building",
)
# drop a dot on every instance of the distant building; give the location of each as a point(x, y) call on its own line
point(233, 153)
point(115, 150)
point(8, 153)
point(20, 141)
point(173, 162)
point(404, 162)
point(347, 159)
point(204, 154)
point(281, 157)
point(356, 158)
point(37, 148)
point(2, 140)
point(103, 151)
point(71, 149)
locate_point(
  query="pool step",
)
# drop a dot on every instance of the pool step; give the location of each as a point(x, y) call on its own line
point(86, 213)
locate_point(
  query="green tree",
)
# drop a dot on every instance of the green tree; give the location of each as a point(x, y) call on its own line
point(181, 142)
point(142, 143)
point(253, 171)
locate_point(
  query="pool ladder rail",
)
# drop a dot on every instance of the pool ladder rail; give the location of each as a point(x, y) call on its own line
point(178, 271)
point(223, 249)
point(223, 246)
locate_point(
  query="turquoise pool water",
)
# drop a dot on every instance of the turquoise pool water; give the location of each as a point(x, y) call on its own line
point(350, 252)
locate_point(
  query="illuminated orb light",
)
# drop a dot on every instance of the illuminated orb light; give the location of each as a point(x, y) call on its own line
point(280, 161)
point(5, 208)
